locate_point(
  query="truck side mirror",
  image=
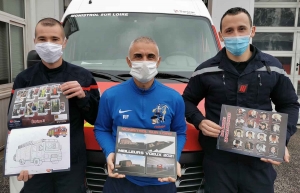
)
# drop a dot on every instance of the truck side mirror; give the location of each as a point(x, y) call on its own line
point(32, 58)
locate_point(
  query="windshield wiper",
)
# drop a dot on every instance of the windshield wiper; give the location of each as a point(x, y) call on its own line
point(172, 77)
point(164, 76)
point(106, 76)
point(168, 75)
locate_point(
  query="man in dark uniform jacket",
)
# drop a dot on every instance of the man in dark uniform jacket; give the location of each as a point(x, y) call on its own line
point(239, 75)
point(79, 87)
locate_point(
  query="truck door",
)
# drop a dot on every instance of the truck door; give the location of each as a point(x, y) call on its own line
point(40, 151)
point(33, 153)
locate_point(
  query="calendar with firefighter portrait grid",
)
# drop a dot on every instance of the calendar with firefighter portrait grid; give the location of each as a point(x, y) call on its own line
point(39, 136)
point(147, 153)
point(253, 132)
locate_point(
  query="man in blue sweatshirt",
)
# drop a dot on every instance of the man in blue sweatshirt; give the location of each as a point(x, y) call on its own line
point(132, 104)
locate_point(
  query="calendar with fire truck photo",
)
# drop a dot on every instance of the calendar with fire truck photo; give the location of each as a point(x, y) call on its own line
point(147, 153)
point(253, 132)
point(39, 140)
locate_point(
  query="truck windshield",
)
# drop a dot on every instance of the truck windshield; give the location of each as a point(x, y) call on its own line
point(100, 41)
point(52, 146)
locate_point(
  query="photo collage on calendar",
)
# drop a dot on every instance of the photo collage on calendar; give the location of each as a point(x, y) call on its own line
point(147, 153)
point(38, 105)
point(253, 132)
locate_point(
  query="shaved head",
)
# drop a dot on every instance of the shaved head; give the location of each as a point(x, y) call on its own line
point(50, 22)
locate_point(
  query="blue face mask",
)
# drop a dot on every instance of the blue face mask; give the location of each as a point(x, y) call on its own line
point(237, 45)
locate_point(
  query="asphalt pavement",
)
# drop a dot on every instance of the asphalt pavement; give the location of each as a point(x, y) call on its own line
point(4, 182)
point(288, 174)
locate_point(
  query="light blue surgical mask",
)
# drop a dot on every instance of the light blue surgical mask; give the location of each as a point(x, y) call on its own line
point(237, 45)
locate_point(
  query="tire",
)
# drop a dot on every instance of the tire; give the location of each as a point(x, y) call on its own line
point(37, 162)
point(22, 161)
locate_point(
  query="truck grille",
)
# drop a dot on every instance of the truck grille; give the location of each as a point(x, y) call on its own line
point(191, 180)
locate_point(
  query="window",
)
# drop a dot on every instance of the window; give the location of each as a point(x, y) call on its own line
point(51, 146)
point(274, 41)
point(11, 39)
point(17, 50)
point(299, 18)
point(4, 53)
point(11, 52)
point(14, 7)
point(286, 63)
point(271, 17)
point(101, 41)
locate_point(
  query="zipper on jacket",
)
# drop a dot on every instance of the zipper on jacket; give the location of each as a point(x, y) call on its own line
point(258, 87)
point(224, 79)
point(143, 104)
point(260, 84)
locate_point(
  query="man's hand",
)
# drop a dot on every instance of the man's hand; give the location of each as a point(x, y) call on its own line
point(209, 128)
point(286, 158)
point(24, 176)
point(72, 89)
point(170, 179)
point(110, 166)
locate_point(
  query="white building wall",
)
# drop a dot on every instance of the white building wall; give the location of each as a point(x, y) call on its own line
point(39, 9)
point(218, 7)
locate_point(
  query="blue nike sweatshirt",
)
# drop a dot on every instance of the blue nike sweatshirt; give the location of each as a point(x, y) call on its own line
point(129, 106)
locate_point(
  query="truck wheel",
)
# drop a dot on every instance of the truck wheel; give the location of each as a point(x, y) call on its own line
point(64, 135)
point(22, 162)
point(37, 162)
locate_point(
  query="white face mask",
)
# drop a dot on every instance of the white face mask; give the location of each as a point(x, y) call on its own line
point(143, 71)
point(49, 52)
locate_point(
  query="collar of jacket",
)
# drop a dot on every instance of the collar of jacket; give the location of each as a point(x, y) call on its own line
point(223, 62)
point(142, 91)
point(44, 68)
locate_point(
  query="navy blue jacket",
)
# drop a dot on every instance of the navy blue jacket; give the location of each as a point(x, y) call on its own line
point(217, 81)
point(79, 109)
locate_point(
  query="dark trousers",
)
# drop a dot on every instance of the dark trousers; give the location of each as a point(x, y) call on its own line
point(238, 177)
point(122, 185)
point(58, 182)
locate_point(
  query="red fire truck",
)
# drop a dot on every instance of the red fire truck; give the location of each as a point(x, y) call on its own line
point(57, 131)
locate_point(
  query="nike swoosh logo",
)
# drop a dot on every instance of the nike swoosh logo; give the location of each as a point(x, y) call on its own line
point(120, 111)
